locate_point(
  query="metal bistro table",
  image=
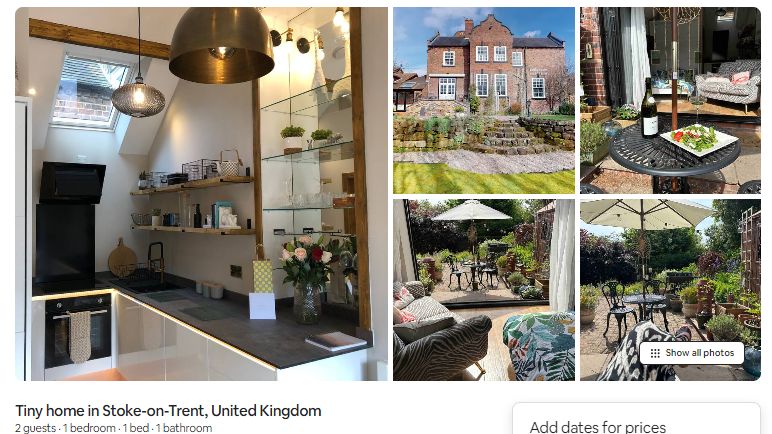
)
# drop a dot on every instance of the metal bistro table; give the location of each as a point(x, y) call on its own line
point(668, 164)
point(642, 302)
point(474, 268)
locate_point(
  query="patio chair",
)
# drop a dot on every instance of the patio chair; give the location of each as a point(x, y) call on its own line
point(653, 287)
point(490, 271)
point(613, 292)
point(457, 272)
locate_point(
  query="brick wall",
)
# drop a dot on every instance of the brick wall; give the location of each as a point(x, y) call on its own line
point(491, 33)
point(434, 57)
point(541, 62)
point(79, 101)
point(592, 70)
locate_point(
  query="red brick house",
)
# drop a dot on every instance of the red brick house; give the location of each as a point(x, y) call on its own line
point(510, 69)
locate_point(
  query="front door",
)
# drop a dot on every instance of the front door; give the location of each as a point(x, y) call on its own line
point(448, 89)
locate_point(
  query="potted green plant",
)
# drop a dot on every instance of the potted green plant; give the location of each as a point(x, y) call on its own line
point(752, 362)
point(588, 301)
point(725, 328)
point(531, 293)
point(320, 137)
point(156, 217)
point(593, 142)
point(293, 139)
point(627, 115)
point(142, 184)
point(516, 280)
point(689, 299)
point(501, 265)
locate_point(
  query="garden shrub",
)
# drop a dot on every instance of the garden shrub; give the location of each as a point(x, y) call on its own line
point(588, 296)
point(465, 255)
point(458, 139)
point(602, 259)
point(627, 112)
point(523, 234)
point(689, 295)
point(442, 256)
point(515, 108)
point(474, 100)
point(591, 137)
point(566, 108)
point(725, 284)
point(426, 279)
point(458, 109)
point(691, 268)
point(710, 263)
point(517, 279)
point(725, 328)
point(476, 125)
point(443, 126)
point(531, 293)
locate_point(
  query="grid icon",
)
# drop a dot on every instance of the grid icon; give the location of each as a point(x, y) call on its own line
point(655, 353)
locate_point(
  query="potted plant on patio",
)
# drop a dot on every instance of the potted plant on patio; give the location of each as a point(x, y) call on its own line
point(689, 299)
point(752, 362)
point(724, 328)
point(627, 115)
point(705, 302)
point(593, 142)
point(531, 293)
point(501, 265)
point(588, 301)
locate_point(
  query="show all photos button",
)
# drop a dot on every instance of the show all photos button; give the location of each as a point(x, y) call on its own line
point(692, 353)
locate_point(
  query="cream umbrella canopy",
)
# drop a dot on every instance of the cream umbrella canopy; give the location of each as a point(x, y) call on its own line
point(644, 214)
point(472, 210)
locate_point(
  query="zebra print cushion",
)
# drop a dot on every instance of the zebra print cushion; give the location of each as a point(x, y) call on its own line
point(625, 363)
point(444, 354)
point(426, 308)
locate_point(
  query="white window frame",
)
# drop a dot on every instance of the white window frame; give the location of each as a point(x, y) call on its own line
point(445, 58)
point(478, 54)
point(477, 85)
point(517, 58)
point(535, 80)
point(447, 83)
point(500, 57)
point(496, 84)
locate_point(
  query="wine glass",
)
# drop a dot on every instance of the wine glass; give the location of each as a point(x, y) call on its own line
point(697, 100)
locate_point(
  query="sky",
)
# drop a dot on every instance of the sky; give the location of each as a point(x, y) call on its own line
point(608, 230)
point(413, 27)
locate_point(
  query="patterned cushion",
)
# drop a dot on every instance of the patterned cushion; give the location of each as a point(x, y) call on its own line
point(402, 298)
point(425, 308)
point(542, 346)
point(726, 88)
point(625, 363)
point(415, 330)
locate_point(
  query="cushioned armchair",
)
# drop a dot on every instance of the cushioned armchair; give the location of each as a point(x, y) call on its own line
point(448, 345)
point(713, 86)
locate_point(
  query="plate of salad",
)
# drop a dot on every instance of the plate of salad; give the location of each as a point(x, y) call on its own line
point(699, 139)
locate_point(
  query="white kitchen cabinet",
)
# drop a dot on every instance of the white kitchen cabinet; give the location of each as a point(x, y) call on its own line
point(226, 364)
point(185, 353)
point(140, 335)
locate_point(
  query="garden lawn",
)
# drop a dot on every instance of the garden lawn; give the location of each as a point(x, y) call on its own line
point(412, 178)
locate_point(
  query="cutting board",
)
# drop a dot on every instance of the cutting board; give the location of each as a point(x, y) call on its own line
point(122, 260)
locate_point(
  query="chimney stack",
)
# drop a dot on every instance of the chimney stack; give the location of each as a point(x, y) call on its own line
point(468, 24)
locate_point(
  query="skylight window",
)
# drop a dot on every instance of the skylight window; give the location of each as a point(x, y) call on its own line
point(85, 88)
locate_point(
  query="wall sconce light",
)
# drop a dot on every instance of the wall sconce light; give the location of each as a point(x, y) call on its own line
point(303, 45)
point(289, 39)
point(275, 38)
point(339, 17)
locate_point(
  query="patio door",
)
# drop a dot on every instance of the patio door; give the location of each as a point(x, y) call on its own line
point(448, 89)
point(612, 48)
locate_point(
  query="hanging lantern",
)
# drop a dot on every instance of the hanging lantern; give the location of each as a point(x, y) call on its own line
point(221, 46)
point(138, 99)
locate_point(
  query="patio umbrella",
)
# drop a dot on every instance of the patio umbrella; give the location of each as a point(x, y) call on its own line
point(644, 214)
point(472, 210)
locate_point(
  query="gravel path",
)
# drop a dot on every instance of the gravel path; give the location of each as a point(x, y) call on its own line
point(492, 163)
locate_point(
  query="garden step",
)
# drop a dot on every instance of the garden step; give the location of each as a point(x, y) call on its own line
point(521, 141)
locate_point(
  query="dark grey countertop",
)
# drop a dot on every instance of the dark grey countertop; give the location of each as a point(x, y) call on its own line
point(279, 342)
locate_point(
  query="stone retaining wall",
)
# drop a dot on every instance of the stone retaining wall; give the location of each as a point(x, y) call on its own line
point(556, 133)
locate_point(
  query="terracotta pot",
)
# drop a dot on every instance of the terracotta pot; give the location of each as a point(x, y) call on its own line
point(690, 310)
point(586, 315)
point(674, 302)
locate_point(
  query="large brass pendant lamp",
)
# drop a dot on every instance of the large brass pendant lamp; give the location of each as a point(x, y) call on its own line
point(221, 46)
point(138, 99)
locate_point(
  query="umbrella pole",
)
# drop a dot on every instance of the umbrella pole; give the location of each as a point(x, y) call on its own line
point(674, 76)
point(642, 248)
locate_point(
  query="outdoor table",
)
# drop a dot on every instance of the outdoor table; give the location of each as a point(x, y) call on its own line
point(641, 301)
point(661, 159)
point(474, 267)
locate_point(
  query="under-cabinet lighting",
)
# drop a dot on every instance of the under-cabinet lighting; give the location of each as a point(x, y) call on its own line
point(32, 92)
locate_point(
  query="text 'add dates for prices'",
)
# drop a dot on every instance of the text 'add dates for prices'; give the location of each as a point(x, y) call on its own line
point(170, 418)
point(635, 418)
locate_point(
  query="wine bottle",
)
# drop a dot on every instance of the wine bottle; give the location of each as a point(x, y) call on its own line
point(197, 217)
point(649, 123)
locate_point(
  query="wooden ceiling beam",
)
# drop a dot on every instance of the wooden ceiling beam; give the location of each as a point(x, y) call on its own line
point(92, 38)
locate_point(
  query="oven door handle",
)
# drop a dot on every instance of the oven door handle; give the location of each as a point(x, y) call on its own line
point(67, 315)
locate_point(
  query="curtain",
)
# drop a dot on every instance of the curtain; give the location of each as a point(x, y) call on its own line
point(635, 58)
point(562, 257)
point(404, 271)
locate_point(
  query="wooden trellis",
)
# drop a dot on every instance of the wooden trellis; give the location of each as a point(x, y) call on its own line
point(542, 232)
point(750, 250)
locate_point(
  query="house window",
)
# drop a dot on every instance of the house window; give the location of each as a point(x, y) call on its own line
point(517, 58)
point(537, 88)
point(501, 84)
point(481, 81)
point(727, 16)
point(83, 98)
point(500, 54)
point(449, 58)
point(447, 88)
point(482, 53)
point(407, 85)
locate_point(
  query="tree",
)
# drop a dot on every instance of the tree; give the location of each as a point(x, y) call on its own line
point(604, 258)
point(668, 249)
point(559, 86)
point(723, 235)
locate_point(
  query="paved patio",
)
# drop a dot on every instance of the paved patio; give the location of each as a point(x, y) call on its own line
point(478, 162)
point(596, 349)
point(445, 294)
point(613, 178)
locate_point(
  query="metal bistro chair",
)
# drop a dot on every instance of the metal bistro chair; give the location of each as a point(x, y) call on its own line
point(613, 292)
point(490, 271)
point(457, 272)
point(653, 287)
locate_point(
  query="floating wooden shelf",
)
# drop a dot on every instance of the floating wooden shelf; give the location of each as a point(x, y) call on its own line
point(208, 231)
point(192, 185)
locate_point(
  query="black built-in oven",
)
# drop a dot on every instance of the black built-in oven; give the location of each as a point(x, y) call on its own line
point(58, 327)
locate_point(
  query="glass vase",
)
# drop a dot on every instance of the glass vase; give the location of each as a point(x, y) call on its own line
point(307, 306)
